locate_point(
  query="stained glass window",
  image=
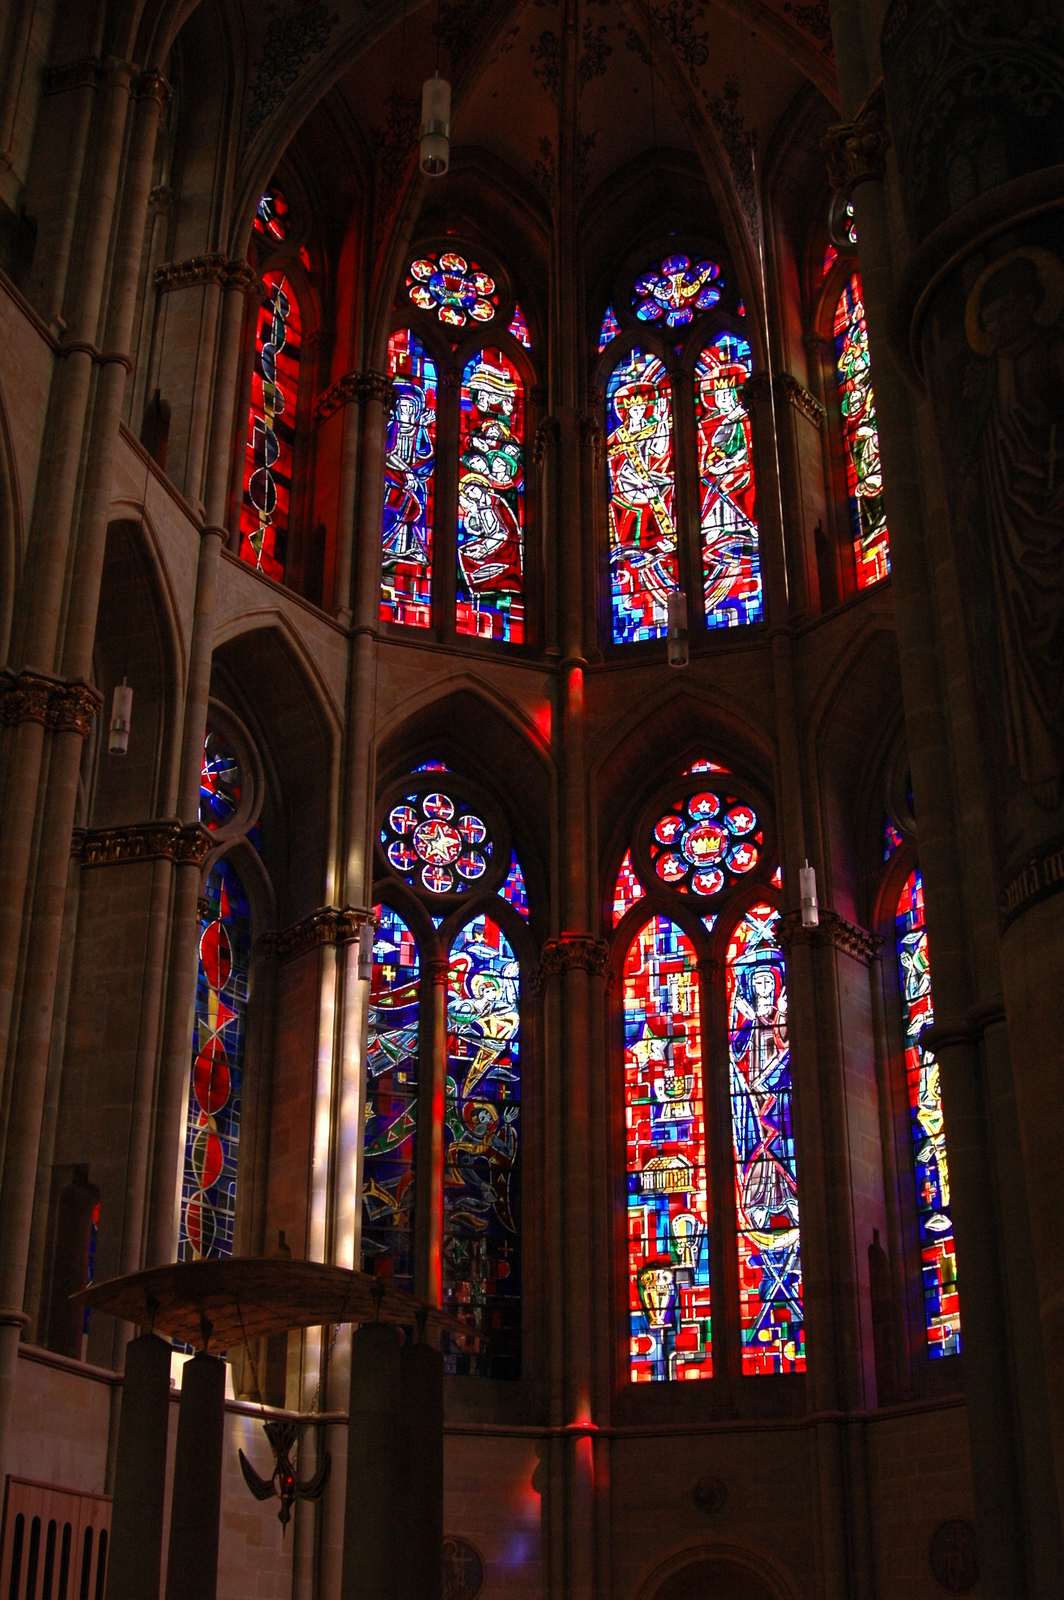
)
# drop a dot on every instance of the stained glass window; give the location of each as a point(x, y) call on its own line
point(705, 842)
point(628, 891)
point(436, 842)
point(212, 1136)
point(731, 564)
point(481, 1185)
point(831, 255)
point(456, 289)
point(864, 474)
point(766, 1180)
point(272, 215)
point(409, 484)
point(674, 290)
point(668, 1206)
point(937, 1249)
point(271, 423)
point(519, 328)
point(491, 506)
point(643, 558)
point(891, 839)
point(513, 890)
point(391, 1103)
point(220, 781)
point(433, 766)
point(703, 765)
point(609, 330)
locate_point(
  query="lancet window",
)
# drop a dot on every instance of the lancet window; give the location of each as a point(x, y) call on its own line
point(864, 472)
point(443, 1143)
point(456, 502)
point(713, 1224)
point(679, 452)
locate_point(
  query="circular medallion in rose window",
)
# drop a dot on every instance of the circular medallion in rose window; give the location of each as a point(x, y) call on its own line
point(704, 842)
point(436, 843)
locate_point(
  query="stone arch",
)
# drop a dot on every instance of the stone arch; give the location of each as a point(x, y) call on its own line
point(718, 1571)
point(10, 533)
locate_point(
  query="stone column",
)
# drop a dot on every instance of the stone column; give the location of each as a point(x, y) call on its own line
point(136, 1547)
point(372, 1530)
point(428, 1213)
point(420, 1543)
point(196, 1503)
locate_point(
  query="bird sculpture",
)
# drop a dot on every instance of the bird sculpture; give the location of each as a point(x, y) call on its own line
point(283, 1482)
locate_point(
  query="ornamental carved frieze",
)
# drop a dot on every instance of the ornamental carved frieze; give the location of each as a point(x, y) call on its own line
point(832, 930)
point(187, 274)
point(141, 841)
point(328, 925)
point(857, 150)
point(571, 951)
point(240, 274)
point(337, 395)
point(83, 74)
point(786, 390)
point(62, 707)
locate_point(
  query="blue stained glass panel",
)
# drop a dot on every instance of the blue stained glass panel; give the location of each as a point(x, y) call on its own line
point(643, 561)
point(212, 1136)
point(482, 1189)
point(513, 890)
point(609, 330)
point(391, 1103)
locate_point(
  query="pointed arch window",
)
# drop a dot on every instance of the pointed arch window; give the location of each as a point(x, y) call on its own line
point(930, 1161)
point(409, 484)
point(679, 454)
point(864, 472)
point(491, 500)
point(267, 494)
point(443, 1140)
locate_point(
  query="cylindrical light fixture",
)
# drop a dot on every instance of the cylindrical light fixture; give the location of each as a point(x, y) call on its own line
point(807, 889)
point(121, 707)
point(677, 604)
point(365, 952)
point(435, 126)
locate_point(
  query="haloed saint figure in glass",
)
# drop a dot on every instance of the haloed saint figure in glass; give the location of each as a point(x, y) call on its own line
point(491, 500)
point(642, 519)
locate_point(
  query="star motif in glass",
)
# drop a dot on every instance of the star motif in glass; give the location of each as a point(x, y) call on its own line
point(454, 288)
point(675, 289)
point(704, 842)
point(437, 843)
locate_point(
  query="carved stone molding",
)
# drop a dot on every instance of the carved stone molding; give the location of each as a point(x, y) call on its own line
point(329, 925)
point(592, 436)
point(338, 394)
point(240, 274)
point(152, 85)
point(186, 274)
point(857, 150)
point(141, 841)
point(570, 951)
point(62, 707)
point(374, 386)
point(160, 199)
point(548, 433)
point(787, 392)
point(83, 74)
point(832, 930)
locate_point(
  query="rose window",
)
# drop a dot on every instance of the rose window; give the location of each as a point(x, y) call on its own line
point(220, 781)
point(436, 842)
point(705, 842)
point(675, 290)
point(454, 288)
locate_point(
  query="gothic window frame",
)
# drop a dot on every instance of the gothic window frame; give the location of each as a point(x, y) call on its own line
point(417, 906)
point(836, 560)
point(268, 254)
point(917, 1368)
point(725, 1387)
point(451, 355)
point(679, 349)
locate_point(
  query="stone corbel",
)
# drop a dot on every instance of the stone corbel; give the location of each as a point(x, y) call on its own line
point(61, 707)
point(857, 151)
point(570, 951)
point(832, 930)
point(329, 925)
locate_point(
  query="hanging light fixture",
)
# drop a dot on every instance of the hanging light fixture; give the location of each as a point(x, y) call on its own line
point(677, 604)
point(807, 890)
point(436, 118)
point(121, 709)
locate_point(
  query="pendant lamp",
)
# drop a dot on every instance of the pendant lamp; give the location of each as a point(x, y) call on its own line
point(435, 126)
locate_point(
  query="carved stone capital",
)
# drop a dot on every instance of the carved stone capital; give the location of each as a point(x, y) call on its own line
point(240, 274)
point(548, 433)
point(755, 391)
point(438, 970)
point(793, 393)
point(857, 150)
point(62, 707)
point(337, 395)
point(152, 85)
point(373, 386)
point(160, 199)
point(832, 930)
point(187, 274)
point(570, 951)
point(141, 841)
point(328, 925)
point(83, 74)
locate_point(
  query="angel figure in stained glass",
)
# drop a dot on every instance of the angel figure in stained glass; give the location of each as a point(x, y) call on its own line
point(761, 1056)
point(640, 467)
point(408, 465)
point(480, 1159)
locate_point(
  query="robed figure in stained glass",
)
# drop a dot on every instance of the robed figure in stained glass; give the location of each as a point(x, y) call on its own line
point(730, 560)
point(408, 463)
point(490, 484)
point(642, 523)
point(864, 472)
point(761, 1070)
